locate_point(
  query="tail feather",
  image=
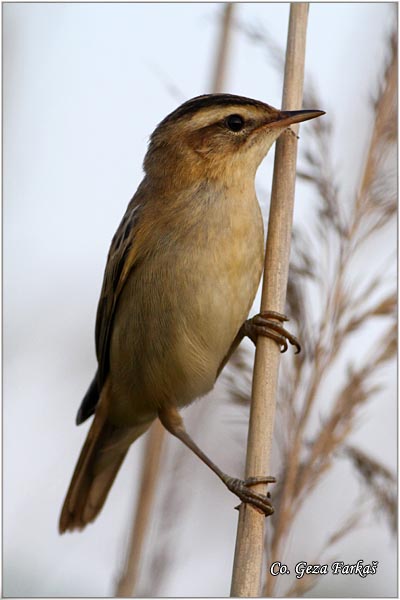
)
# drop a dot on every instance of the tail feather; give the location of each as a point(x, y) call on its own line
point(100, 459)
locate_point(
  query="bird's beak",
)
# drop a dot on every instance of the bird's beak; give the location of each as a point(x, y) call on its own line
point(289, 117)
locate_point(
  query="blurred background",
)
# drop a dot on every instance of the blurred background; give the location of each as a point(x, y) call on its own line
point(84, 85)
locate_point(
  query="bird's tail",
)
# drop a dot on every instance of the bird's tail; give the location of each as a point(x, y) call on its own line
point(100, 459)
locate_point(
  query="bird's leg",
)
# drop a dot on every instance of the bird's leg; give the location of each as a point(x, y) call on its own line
point(173, 422)
point(269, 324)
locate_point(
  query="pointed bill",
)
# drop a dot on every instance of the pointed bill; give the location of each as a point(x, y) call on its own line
point(289, 117)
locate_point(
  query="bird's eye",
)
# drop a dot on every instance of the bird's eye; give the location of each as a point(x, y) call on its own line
point(234, 122)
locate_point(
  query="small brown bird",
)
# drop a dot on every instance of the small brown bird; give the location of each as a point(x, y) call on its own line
point(181, 276)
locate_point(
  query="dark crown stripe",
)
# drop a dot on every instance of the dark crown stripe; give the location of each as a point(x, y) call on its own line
point(195, 104)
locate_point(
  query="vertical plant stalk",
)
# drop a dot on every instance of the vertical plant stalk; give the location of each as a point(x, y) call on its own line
point(223, 49)
point(247, 568)
point(152, 453)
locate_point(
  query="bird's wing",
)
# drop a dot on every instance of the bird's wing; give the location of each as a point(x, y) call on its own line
point(121, 260)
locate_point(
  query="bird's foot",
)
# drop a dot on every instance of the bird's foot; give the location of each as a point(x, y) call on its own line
point(241, 489)
point(263, 324)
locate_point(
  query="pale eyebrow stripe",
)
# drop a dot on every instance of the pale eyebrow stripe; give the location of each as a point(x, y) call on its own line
point(208, 100)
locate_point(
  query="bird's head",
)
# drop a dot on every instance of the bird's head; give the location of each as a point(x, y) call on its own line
point(216, 135)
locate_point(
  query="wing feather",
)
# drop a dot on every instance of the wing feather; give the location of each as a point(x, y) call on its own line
point(120, 262)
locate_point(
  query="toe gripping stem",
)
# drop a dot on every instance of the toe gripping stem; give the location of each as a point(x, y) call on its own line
point(241, 489)
point(265, 324)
